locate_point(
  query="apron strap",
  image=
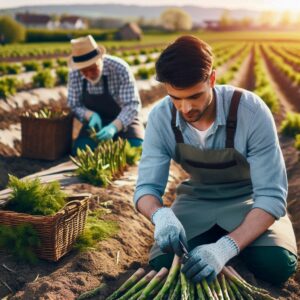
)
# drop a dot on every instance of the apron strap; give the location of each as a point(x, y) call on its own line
point(176, 130)
point(232, 118)
point(105, 84)
point(84, 85)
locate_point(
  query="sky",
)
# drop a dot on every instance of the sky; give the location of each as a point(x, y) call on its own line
point(259, 5)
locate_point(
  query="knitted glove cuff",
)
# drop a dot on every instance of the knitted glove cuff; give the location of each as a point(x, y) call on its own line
point(157, 213)
point(228, 248)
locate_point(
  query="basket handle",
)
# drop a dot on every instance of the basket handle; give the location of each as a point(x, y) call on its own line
point(70, 209)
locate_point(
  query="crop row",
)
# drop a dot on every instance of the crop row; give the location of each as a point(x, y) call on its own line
point(281, 65)
point(230, 73)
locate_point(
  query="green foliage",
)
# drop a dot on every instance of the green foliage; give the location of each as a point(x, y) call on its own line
point(297, 142)
point(61, 35)
point(46, 113)
point(8, 86)
point(262, 85)
point(13, 69)
point(96, 229)
point(107, 161)
point(145, 73)
point(31, 66)
point(13, 31)
point(43, 79)
point(133, 154)
point(3, 69)
point(62, 62)
point(176, 19)
point(136, 61)
point(20, 240)
point(33, 197)
point(290, 126)
point(49, 63)
point(62, 75)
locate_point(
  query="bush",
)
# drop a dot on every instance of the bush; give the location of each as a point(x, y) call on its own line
point(62, 75)
point(13, 69)
point(291, 125)
point(49, 63)
point(31, 66)
point(8, 86)
point(62, 62)
point(136, 61)
point(143, 73)
point(3, 69)
point(61, 35)
point(44, 79)
point(12, 31)
point(33, 197)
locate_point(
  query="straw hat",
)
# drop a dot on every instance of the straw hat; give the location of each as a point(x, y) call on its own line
point(84, 52)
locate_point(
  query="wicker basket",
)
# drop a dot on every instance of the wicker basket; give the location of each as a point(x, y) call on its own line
point(57, 233)
point(47, 139)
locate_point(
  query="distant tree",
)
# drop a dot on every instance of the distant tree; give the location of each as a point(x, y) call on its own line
point(246, 22)
point(286, 19)
point(176, 19)
point(225, 19)
point(11, 30)
point(267, 18)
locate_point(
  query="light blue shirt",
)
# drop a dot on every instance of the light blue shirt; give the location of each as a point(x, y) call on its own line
point(256, 139)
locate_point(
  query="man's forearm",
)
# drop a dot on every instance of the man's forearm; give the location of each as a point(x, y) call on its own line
point(255, 224)
point(147, 205)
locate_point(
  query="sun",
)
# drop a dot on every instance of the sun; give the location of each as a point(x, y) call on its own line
point(290, 5)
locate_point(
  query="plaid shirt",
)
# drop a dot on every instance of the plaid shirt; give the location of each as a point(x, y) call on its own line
point(121, 85)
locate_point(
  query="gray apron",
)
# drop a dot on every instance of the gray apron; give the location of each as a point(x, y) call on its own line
point(108, 109)
point(219, 191)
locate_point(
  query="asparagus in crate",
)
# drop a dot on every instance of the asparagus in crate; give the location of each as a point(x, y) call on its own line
point(46, 113)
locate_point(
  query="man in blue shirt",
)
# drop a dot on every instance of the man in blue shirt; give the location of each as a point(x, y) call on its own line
point(235, 199)
point(103, 95)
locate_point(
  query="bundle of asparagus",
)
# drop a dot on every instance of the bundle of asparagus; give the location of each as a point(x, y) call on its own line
point(227, 286)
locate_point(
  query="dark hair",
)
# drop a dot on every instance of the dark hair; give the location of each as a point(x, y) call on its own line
point(185, 62)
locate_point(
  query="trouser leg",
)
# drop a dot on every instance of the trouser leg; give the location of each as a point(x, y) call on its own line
point(270, 263)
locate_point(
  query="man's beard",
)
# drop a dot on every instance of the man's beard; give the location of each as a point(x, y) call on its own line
point(96, 80)
point(195, 115)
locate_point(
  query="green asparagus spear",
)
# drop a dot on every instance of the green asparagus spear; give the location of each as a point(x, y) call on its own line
point(134, 278)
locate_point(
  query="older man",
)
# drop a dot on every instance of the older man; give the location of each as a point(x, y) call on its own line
point(102, 94)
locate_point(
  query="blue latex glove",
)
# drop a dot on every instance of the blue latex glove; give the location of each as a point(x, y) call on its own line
point(107, 132)
point(95, 121)
point(168, 231)
point(208, 260)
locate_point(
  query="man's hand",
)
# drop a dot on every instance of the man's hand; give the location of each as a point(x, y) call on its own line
point(168, 231)
point(208, 260)
point(107, 132)
point(95, 122)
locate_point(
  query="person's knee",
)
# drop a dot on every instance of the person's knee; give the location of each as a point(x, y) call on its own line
point(272, 264)
point(161, 261)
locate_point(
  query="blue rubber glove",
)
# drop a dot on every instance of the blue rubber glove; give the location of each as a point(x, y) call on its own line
point(168, 231)
point(107, 132)
point(95, 121)
point(208, 260)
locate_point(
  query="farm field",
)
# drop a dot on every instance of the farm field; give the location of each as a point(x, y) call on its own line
point(265, 63)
